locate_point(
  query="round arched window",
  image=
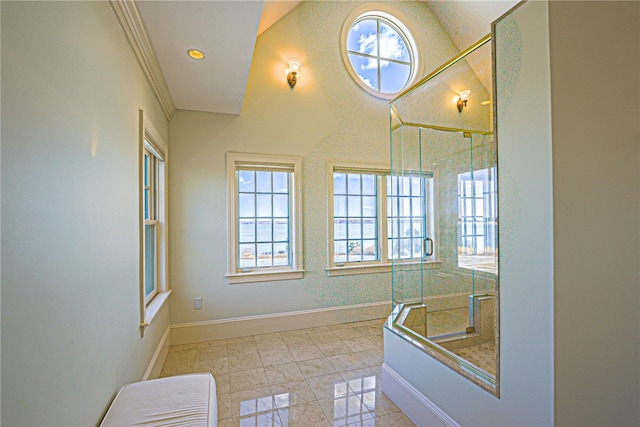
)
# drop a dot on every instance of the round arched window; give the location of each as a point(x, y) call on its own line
point(379, 53)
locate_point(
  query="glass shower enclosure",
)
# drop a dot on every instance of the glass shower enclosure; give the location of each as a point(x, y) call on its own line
point(442, 213)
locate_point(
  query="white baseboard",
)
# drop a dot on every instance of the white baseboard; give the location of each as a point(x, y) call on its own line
point(155, 365)
point(187, 333)
point(422, 411)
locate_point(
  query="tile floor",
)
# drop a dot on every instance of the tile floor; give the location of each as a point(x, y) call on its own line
point(326, 376)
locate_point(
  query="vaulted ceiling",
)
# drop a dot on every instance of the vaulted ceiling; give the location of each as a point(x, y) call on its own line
point(162, 31)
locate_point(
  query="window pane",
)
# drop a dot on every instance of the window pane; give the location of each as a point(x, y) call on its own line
point(366, 69)
point(369, 251)
point(416, 206)
point(369, 207)
point(404, 184)
point(368, 184)
point(280, 182)
point(339, 183)
point(392, 228)
point(281, 254)
point(264, 231)
point(479, 207)
point(263, 182)
point(264, 254)
point(392, 185)
point(416, 186)
point(247, 256)
point(339, 229)
point(263, 202)
point(405, 207)
point(354, 252)
point(146, 169)
point(281, 230)
point(393, 76)
point(340, 251)
point(393, 205)
point(246, 205)
point(354, 207)
point(353, 184)
point(362, 37)
point(405, 228)
point(392, 45)
point(146, 203)
point(417, 228)
point(369, 228)
point(149, 259)
point(246, 181)
point(417, 248)
point(340, 206)
point(355, 228)
point(247, 231)
point(281, 205)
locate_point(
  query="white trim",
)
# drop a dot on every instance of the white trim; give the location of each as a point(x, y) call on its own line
point(154, 307)
point(157, 361)
point(187, 333)
point(127, 14)
point(422, 411)
point(264, 276)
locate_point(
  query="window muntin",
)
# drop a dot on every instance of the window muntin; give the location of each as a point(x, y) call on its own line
point(379, 53)
point(265, 218)
point(477, 219)
point(361, 219)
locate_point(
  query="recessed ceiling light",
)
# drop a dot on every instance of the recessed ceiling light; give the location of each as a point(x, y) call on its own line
point(195, 54)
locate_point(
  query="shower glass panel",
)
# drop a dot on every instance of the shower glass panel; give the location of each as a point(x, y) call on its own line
point(442, 213)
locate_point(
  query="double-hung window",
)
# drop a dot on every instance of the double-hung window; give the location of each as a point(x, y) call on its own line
point(150, 184)
point(153, 235)
point(376, 218)
point(264, 217)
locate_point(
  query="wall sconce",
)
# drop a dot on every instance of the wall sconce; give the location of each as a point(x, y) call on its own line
point(462, 101)
point(292, 72)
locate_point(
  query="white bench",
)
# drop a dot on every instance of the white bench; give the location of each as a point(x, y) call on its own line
point(177, 401)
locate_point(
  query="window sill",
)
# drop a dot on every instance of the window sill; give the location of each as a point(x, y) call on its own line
point(154, 307)
point(264, 276)
point(349, 270)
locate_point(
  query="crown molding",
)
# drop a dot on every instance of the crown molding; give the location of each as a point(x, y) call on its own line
point(127, 14)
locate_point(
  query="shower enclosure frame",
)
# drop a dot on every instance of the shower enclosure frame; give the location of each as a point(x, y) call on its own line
point(401, 309)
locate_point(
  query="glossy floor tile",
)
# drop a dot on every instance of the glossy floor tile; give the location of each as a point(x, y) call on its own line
point(327, 376)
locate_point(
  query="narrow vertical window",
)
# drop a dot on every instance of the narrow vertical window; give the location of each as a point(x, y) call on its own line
point(150, 184)
point(154, 288)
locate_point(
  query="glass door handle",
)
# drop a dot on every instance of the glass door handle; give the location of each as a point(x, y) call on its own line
point(427, 247)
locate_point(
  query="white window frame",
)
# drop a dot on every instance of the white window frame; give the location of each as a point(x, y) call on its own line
point(384, 262)
point(152, 143)
point(295, 270)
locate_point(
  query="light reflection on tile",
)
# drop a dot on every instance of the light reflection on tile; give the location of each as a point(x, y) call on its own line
point(325, 376)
